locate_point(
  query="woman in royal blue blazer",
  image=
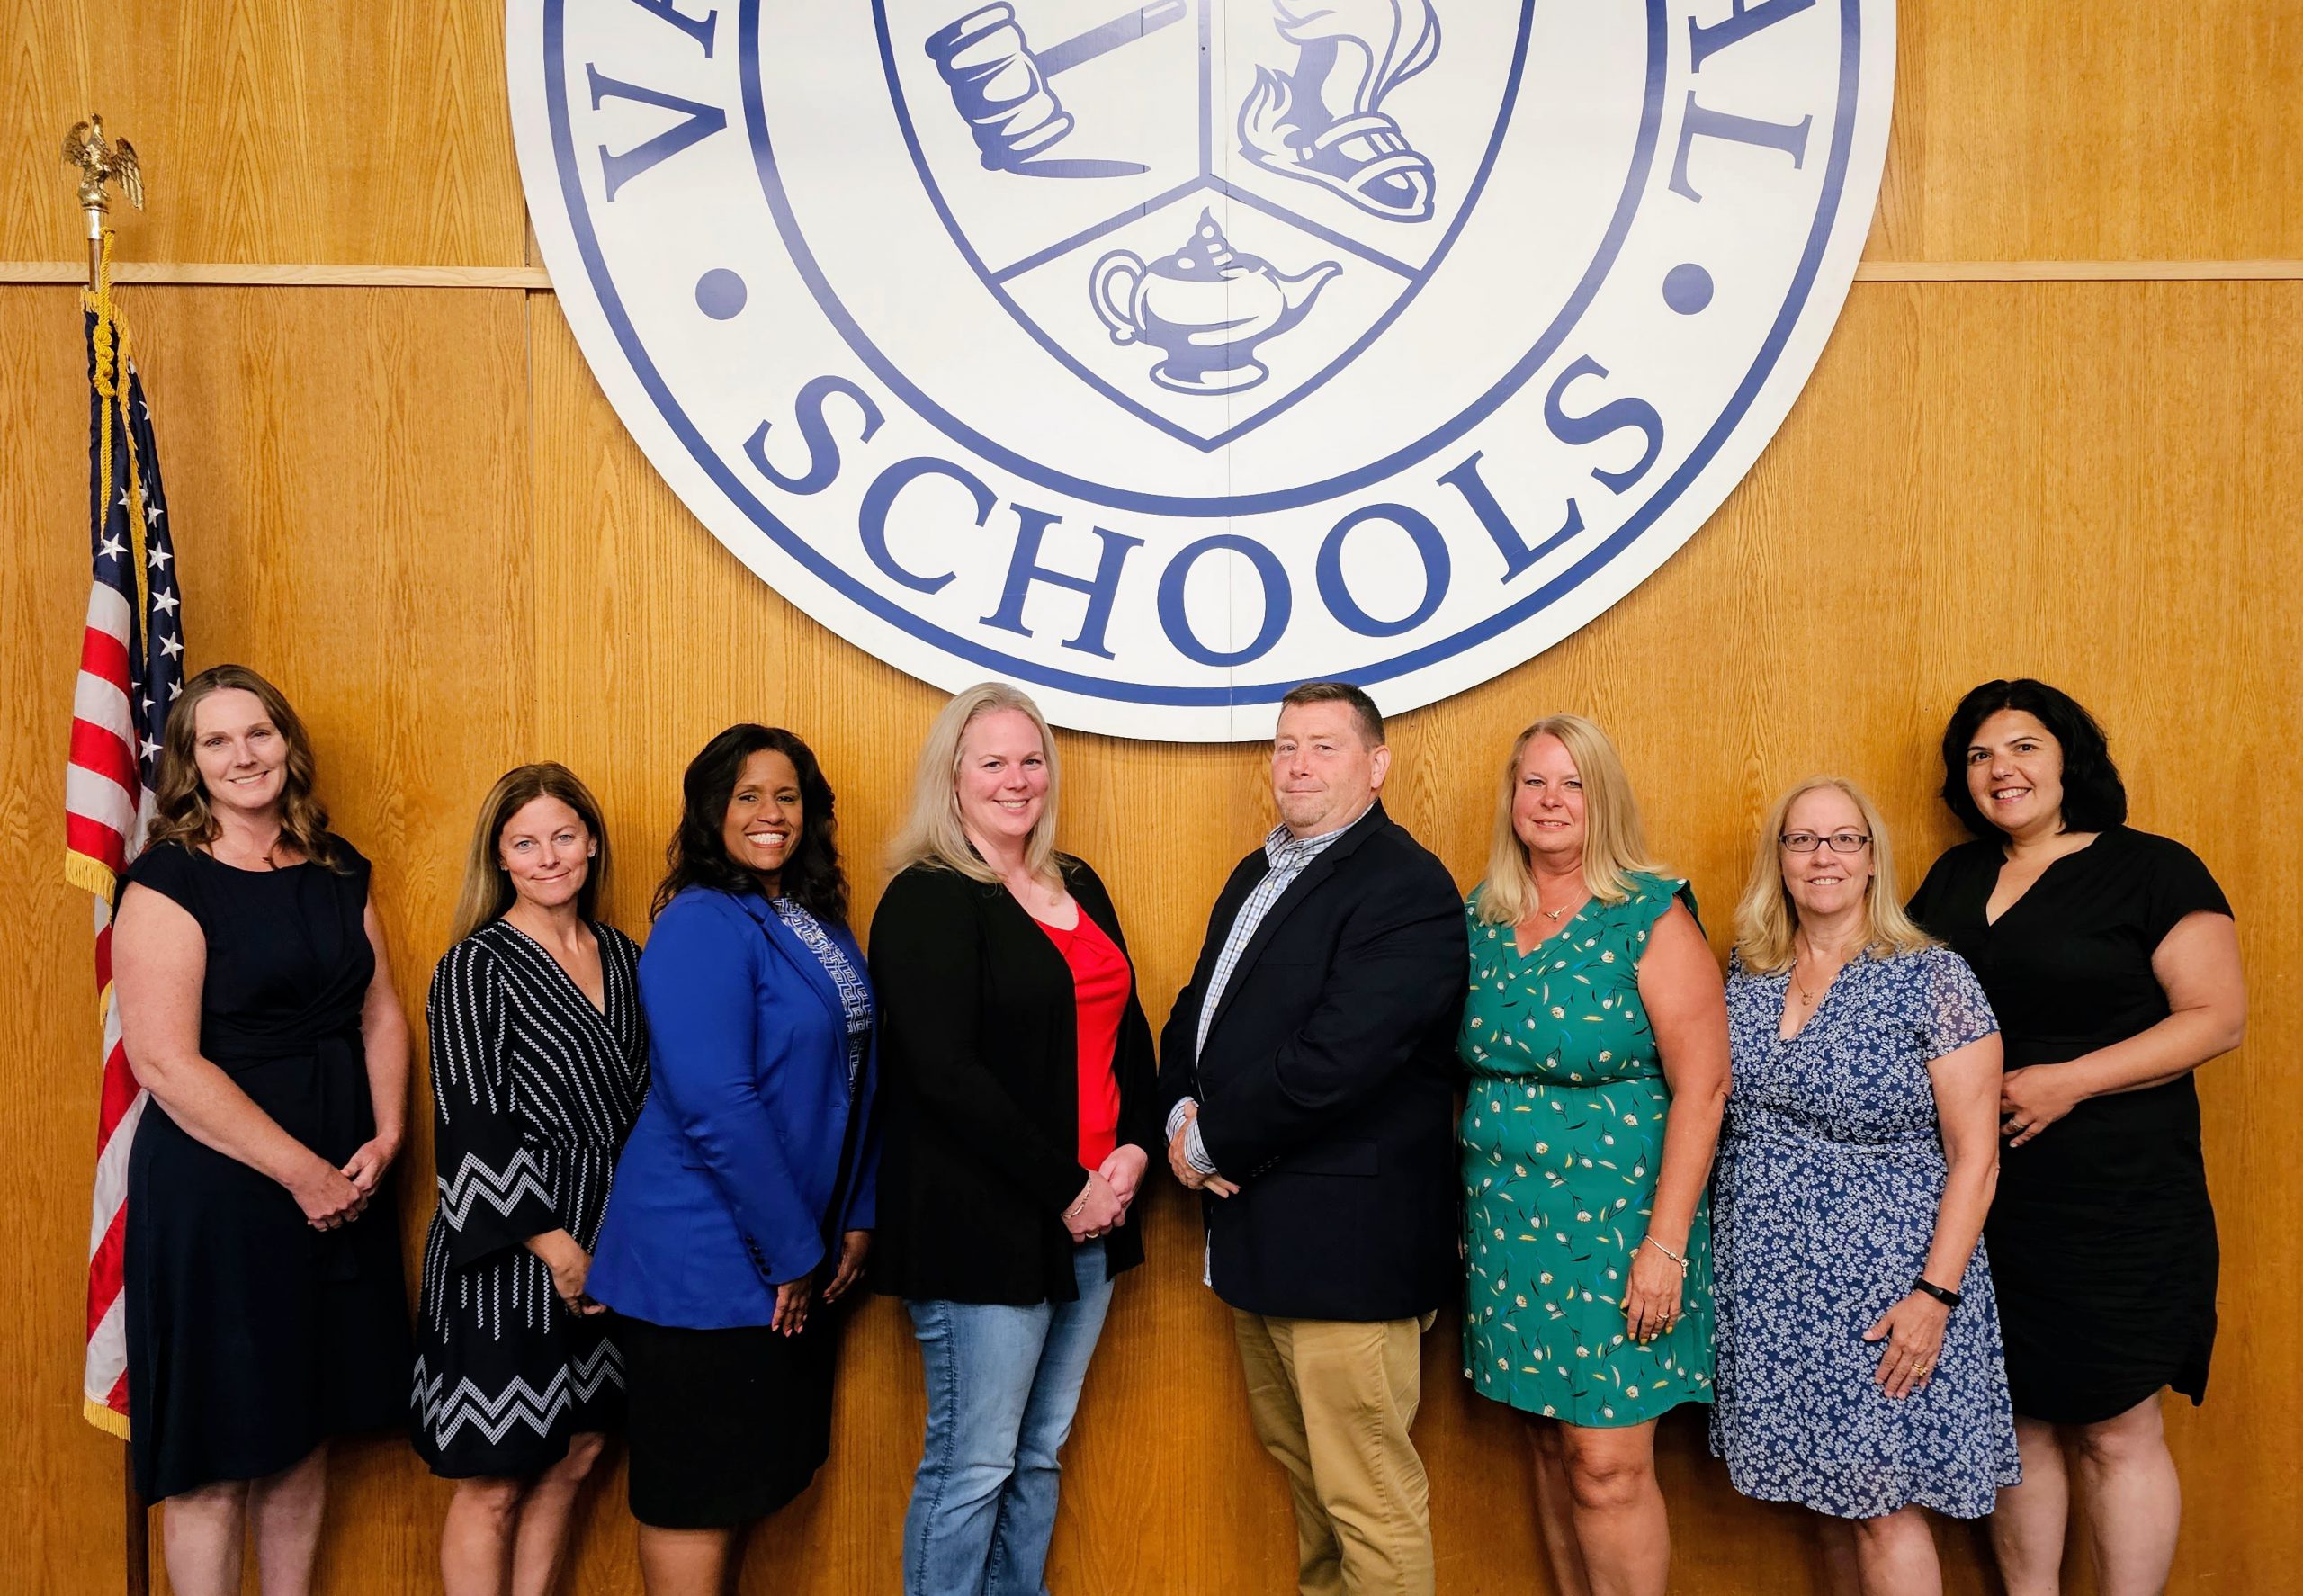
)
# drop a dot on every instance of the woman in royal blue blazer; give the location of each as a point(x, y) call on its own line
point(748, 1182)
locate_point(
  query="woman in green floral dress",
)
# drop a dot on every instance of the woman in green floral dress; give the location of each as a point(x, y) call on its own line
point(1596, 1036)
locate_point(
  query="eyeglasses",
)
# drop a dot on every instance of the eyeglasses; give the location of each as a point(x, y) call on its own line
point(1807, 842)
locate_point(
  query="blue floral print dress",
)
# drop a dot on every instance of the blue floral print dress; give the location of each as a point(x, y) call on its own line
point(1830, 1168)
point(1562, 1134)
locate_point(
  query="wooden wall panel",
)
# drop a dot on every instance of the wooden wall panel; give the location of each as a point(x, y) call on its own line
point(2122, 130)
point(415, 509)
point(297, 130)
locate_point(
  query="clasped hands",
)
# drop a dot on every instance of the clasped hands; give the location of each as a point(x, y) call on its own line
point(334, 1197)
point(794, 1298)
point(1102, 1204)
point(1180, 1161)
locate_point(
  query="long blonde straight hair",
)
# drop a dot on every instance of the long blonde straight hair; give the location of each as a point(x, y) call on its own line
point(1767, 918)
point(488, 890)
point(932, 832)
point(1615, 842)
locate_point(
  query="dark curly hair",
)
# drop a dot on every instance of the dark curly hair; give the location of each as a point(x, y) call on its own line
point(2095, 799)
point(697, 857)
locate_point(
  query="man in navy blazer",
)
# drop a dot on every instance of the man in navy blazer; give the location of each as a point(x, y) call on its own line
point(1307, 1076)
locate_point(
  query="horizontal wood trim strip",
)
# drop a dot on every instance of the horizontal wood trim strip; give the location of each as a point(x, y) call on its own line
point(212, 275)
point(204, 273)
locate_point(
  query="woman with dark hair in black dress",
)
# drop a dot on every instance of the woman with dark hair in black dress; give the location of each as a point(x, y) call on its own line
point(2110, 958)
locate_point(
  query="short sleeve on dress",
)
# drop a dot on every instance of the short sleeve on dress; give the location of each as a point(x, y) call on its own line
point(1957, 1012)
point(2176, 882)
point(1653, 897)
point(167, 870)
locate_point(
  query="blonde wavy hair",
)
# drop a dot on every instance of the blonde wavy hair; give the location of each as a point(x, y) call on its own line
point(180, 810)
point(932, 832)
point(1767, 918)
point(488, 890)
point(1615, 842)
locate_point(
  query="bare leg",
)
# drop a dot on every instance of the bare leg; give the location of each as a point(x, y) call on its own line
point(2134, 1501)
point(476, 1537)
point(686, 1562)
point(1620, 1520)
point(1556, 1510)
point(285, 1512)
point(1896, 1553)
point(540, 1551)
point(2028, 1525)
point(1842, 1573)
point(201, 1536)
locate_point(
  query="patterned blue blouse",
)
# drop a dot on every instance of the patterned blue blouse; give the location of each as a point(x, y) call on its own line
point(855, 995)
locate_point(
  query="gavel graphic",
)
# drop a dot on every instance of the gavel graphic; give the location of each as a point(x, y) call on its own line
point(999, 83)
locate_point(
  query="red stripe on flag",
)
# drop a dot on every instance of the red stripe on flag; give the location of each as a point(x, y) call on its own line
point(104, 656)
point(104, 1270)
point(97, 840)
point(103, 955)
point(116, 1399)
point(119, 1090)
point(101, 749)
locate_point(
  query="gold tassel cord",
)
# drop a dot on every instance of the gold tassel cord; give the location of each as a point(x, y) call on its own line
point(111, 342)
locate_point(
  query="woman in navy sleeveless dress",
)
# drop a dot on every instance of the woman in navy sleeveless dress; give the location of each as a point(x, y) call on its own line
point(265, 1307)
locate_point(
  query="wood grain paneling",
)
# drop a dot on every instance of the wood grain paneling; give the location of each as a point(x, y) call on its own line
point(414, 508)
point(2122, 130)
point(300, 130)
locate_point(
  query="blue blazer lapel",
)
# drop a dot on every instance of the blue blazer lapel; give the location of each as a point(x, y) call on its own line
point(794, 953)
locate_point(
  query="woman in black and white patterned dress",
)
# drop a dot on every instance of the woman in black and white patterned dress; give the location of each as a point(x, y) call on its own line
point(538, 1067)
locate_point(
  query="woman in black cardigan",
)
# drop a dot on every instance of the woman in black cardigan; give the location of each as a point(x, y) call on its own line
point(1019, 1069)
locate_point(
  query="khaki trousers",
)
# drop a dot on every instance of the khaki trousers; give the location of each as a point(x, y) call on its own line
point(1333, 1402)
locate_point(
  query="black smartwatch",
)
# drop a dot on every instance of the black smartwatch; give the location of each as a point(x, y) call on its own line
point(1949, 1299)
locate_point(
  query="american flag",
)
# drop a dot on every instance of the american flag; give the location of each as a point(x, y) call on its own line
point(131, 668)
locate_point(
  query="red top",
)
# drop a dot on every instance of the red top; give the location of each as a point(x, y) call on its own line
point(1101, 980)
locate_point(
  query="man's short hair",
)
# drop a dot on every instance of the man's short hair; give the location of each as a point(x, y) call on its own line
point(1371, 719)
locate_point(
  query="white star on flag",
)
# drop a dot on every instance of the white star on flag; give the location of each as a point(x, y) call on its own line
point(165, 600)
point(152, 513)
point(171, 648)
point(148, 748)
point(113, 547)
point(160, 557)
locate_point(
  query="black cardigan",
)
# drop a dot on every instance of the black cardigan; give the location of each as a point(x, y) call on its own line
point(978, 1059)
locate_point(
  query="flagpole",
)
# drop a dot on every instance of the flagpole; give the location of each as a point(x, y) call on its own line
point(102, 163)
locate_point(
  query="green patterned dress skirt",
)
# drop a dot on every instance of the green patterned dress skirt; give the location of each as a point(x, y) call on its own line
point(1561, 1135)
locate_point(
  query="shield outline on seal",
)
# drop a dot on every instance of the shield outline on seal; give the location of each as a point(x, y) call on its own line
point(1214, 129)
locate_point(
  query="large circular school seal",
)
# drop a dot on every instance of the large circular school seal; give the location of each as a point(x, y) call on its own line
point(1158, 360)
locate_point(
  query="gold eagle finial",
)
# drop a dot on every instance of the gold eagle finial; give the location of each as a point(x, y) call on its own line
point(102, 162)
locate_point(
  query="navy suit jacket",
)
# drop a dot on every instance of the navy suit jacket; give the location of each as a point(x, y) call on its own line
point(749, 1157)
point(1327, 1085)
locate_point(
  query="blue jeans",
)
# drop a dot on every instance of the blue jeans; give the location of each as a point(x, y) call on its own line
point(1002, 1384)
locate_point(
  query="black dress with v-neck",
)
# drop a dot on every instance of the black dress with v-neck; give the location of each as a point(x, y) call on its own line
point(534, 1091)
point(251, 1337)
point(2101, 1236)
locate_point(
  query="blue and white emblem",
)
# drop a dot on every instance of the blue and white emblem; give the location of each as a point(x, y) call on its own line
point(1159, 359)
